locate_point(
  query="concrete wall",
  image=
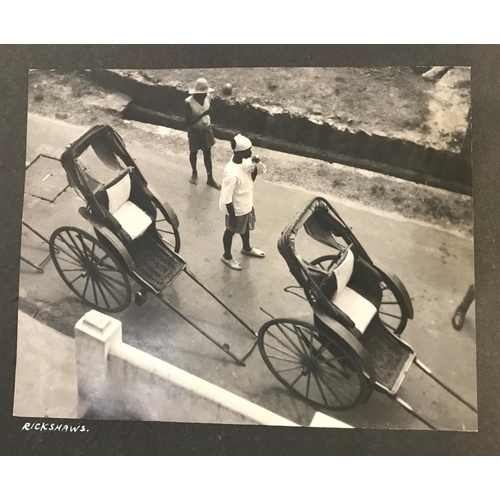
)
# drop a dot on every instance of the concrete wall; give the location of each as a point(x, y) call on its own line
point(118, 381)
point(163, 105)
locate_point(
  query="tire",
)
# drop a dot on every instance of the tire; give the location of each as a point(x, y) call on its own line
point(90, 270)
point(313, 365)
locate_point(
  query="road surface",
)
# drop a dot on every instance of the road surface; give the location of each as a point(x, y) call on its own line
point(435, 265)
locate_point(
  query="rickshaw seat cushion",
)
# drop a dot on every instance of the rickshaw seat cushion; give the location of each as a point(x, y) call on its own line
point(118, 194)
point(132, 219)
point(358, 308)
point(343, 271)
point(348, 297)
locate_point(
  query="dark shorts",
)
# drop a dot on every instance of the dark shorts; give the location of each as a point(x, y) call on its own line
point(243, 223)
point(200, 139)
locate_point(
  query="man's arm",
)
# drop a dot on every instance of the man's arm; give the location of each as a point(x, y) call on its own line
point(188, 115)
point(232, 214)
point(227, 191)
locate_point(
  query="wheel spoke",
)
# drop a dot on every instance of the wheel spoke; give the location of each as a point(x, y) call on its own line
point(388, 314)
point(281, 343)
point(96, 302)
point(72, 270)
point(114, 280)
point(110, 286)
point(389, 303)
point(102, 293)
point(108, 289)
point(338, 387)
point(301, 340)
point(72, 257)
point(299, 352)
point(86, 285)
point(332, 392)
point(295, 381)
point(388, 326)
point(334, 376)
point(284, 359)
point(282, 352)
point(100, 262)
point(289, 369)
point(83, 254)
point(88, 256)
point(308, 384)
point(77, 278)
point(320, 389)
point(71, 247)
point(302, 337)
point(323, 347)
point(288, 338)
point(329, 362)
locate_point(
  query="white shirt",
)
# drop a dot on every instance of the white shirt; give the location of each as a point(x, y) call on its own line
point(237, 187)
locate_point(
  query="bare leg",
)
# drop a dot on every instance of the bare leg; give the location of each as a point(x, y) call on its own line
point(227, 240)
point(245, 238)
point(192, 160)
point(207, 158)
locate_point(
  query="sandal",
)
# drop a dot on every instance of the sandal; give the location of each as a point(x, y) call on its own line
point(255, 252)
point(233, 264)
point(458, 319)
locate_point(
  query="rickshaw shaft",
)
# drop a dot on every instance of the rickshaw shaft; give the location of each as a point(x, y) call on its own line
point(428, 371)
point(194, 278)
point(196, 327)
point(411, 411)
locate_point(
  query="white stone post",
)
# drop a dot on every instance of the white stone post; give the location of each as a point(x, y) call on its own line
point(94, 334)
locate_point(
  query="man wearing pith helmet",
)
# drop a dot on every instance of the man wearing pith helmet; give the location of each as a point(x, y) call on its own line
point(236, 199)
point(200, 135)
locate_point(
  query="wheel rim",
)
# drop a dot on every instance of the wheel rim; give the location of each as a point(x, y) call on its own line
point(90, 271)
point(311, 365)
point(391, 313)
point(166, 231)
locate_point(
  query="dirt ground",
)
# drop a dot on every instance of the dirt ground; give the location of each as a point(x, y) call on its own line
point(391, 101)
point(72, 97)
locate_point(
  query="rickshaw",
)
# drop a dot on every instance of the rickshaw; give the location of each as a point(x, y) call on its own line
point(136, 234)
point(353, 345)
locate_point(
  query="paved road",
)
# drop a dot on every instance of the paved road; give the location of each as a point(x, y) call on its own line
point(435, 265)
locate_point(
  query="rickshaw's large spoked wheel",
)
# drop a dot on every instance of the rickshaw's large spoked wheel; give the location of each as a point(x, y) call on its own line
point(90, 270)
point(391, 312)
point(312, 365)
point(166, 231)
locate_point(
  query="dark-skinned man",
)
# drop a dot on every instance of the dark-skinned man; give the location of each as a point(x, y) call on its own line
point(199, 127)
point(236, 199)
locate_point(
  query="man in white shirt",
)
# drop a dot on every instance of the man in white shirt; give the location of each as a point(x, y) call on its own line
point(236, 199)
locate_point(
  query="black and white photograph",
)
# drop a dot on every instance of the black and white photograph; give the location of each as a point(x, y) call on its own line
point(277, 246)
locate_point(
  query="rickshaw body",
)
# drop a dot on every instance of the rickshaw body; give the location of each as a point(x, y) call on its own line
point(352, 346)
point(136, 232)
